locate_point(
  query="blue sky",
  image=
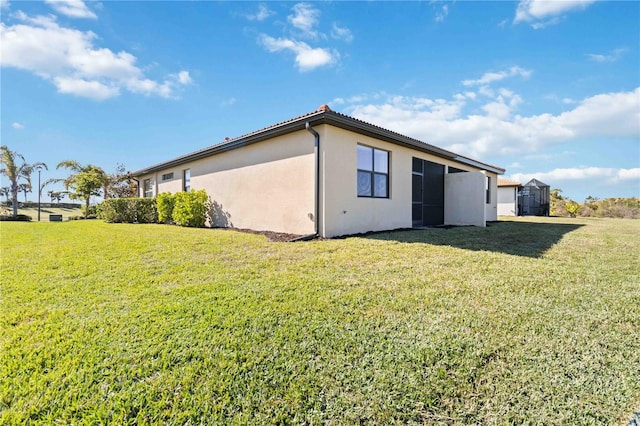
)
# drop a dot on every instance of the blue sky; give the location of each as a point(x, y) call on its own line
point(544, 89)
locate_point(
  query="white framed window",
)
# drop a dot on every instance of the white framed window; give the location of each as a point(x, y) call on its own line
point(373, 172)
point(148, 188)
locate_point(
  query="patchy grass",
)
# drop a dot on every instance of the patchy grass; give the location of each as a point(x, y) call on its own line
point(527, 321)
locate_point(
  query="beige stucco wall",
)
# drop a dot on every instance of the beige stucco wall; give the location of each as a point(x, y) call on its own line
point(270, 186)
point(264, 186)
point(464, 198)
point(341, 208)
point(507, 201)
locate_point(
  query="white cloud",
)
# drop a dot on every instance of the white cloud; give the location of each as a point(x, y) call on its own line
point(303, 22)
point(307, 58)
point(5, 4)
point(612, 56)
point(86, 89)
point(72, 8)
point(228, 102)
point(491, 77)
point(341, 33)
point(612, 175)
point(542, 13)
point(497, 131)
point(183, 77)
point(442, 14)
point(263, 13)
point(305, 18)
point(17, 126)
point(68, 58)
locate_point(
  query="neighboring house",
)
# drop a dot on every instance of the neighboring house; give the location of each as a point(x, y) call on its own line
point(508, 197)
point(534, 199)
point(329, 174)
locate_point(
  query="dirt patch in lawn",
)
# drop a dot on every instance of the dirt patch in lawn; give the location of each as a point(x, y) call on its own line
point(271, 236)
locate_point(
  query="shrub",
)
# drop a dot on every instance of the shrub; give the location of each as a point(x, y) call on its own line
point(128, 210)
point(146, 210)
point(116, 210)
point(572, 208)
point(18, 218)
point(91, 216)
point(190, 208)
point(89, 211)
point(165, 203)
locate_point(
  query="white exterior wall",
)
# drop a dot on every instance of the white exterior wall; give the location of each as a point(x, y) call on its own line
point(491, 208)
point(343, 212)
point(464, 199)
point(264, 186)
point(507, 201)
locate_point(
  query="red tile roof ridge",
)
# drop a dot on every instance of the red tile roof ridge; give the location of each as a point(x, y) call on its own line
point(507, 182)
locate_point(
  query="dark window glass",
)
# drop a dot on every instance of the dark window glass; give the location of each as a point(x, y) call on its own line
point(373, 172)
point(417, 188)
point(417, 165)
point(148, 189)
point(488, 184)
point(187, 180)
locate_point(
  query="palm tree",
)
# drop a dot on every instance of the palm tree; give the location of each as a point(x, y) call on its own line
point(5, 191)
point(15, 172)
point(27, 171)
point(87, 180)
point(25, 189)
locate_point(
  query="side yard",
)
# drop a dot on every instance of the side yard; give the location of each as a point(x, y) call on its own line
point(527, 320)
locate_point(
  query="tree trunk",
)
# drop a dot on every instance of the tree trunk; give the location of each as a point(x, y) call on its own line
point(14, 199)
point(86, 209)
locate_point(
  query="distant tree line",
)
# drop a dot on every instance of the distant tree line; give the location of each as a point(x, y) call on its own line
point(624, 208)
point(84, 182)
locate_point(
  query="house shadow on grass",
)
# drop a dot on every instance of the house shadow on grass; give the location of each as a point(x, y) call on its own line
point(529, 239)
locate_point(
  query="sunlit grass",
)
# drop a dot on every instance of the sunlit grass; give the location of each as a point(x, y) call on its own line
point(132, 324)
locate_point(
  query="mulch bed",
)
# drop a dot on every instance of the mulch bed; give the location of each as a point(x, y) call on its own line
point(271, 236)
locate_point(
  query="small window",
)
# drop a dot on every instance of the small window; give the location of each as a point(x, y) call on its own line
point(488, 189)
point(167, 176)
point(148, 189)
point(186, 181)
point(373, 172)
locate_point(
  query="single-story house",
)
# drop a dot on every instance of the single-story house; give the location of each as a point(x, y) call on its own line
point(508, 197)
point(327, 174)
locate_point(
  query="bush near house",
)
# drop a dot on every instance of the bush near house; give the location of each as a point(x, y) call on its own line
point(165, 202)
point(128, 210)
point(190, 209)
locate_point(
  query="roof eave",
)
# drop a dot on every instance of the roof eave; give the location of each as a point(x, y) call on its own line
point(317, 118)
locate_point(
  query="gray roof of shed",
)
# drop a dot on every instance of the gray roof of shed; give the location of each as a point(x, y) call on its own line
point(323, 115)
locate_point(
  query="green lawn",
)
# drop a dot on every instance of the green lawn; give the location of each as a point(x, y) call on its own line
point(526, 321)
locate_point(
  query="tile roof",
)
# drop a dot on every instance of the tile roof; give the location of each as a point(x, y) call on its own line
point(507, 182)
point(324, 114)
